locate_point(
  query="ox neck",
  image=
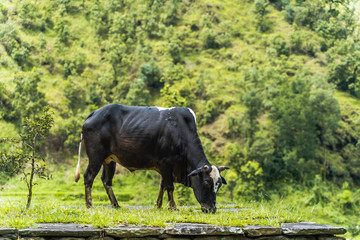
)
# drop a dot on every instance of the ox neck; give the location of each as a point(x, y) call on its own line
point(197, 157)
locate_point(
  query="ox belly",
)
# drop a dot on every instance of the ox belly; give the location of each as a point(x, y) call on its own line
point(114, 158)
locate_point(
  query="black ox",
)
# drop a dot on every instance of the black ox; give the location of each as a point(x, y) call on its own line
point(160, 139)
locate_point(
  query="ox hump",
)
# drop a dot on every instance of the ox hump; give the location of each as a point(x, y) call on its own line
point(192, 112)
point(163, 109)
point(215, 175)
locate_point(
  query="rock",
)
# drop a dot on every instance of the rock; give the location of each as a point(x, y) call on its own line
point(282, 237)
point(5, 231)
point(272, 238)
point(133, 231)
point(61, 230)
point(233, 237)
point(32, 238)
point(330, 238)
point(74, 238)
point(97, 238)
point(9, 236)
point(202, 229)
point(171, 238)
point(257, 231)
point(308, 228)
point(303, 238)
point(8, 233)
point(140, 238)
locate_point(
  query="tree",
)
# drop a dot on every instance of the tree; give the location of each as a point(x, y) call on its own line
point(260, 10)
point(171, 15)
point(28, 100)
point(26, 159)
point(138, 94)
point(172, 97)
point(253, 103)
point(5, 103)
point(151, 75)
point(74, 93)
point(115, 54)
point(305, 116)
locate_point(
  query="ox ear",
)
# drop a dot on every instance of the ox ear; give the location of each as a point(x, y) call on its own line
point(196, 172)
point(222, 168)
point(223, 180)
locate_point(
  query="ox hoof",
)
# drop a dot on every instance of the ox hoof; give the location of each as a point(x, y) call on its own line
point(116, 206)
point(173, 209)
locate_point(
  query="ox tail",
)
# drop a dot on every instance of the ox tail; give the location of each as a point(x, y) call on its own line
point(77, 172)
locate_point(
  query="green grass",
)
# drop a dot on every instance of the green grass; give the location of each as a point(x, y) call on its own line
point(60, 199)
point(14, 214)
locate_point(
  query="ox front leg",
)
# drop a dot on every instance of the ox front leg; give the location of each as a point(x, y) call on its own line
point(166, 172)
point(172, 205)
point(160, 197)
point(106, 177)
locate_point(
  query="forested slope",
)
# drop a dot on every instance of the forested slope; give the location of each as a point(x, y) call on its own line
point(275, 84)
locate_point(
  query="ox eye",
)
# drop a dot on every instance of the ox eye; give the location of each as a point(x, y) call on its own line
point(207, 184)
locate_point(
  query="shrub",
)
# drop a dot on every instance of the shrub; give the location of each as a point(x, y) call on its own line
point(211, 111)
point(3, 13)
point(303, 42)
point(74, 65)
point(138, 94)
point(280, 45)
point(172, 97)
point(9, 36)
point(208, 37)
point(20, 53)
point(150, 74)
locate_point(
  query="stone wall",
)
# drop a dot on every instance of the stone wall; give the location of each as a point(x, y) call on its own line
point(181, 231)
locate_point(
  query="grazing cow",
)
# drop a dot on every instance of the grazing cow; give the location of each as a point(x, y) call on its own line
point(160, 139)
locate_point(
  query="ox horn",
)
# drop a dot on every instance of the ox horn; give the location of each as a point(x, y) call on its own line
point(206, 168)
point(222, 168)
point(195, 172)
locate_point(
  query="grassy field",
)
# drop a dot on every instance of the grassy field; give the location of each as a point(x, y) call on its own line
point(15, 215)
point(60, 199)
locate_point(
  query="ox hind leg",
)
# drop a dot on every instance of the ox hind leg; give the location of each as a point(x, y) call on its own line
point(96, 158)
point(106, 177)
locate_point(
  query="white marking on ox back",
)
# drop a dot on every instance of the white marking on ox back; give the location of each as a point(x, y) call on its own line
point(215, 175)
point(163, 109)
point(192, 112)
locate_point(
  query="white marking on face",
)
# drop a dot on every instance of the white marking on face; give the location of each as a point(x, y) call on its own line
point(215, 175)
point(163, 109)
point(192, 112)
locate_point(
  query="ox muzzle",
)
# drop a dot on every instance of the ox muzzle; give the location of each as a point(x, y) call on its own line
point(208, 209)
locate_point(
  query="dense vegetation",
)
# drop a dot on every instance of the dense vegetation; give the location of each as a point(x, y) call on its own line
point(275, 84)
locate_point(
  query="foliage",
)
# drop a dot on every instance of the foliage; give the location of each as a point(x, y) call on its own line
point(172, 97)
point(138, 93)
point(260, 12)
point(26, 159)
point(27, 100)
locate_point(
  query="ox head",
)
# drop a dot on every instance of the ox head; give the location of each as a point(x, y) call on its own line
point(205, 182)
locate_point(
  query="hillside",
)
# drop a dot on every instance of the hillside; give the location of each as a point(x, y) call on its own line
point(275, 84)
